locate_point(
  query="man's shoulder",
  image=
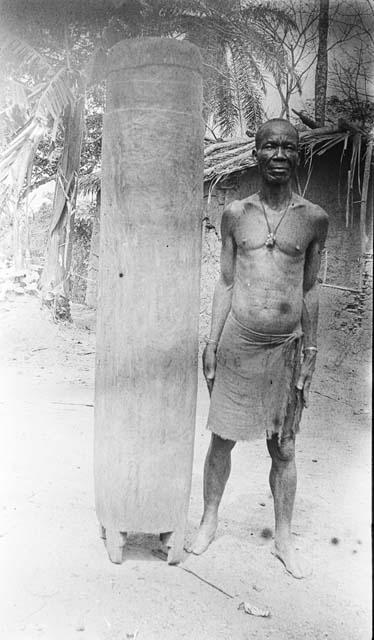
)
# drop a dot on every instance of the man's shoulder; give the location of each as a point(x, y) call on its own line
point(237, 207)
point(313, 211)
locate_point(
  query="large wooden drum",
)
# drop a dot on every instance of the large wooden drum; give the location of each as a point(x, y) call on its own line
point(148, 304)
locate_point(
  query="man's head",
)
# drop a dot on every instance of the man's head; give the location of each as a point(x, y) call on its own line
point(277, 150)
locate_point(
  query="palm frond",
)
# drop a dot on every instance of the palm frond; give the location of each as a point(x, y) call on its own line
point(56, 95)
point(6, 126)
point(16, 94)
point(30, 134)
point(9, 124)
point(15, 108)
point(224, 104)
point(245, 60)
point(20, 54)
point(53, 97)
point(90, 183)
point(252, 107)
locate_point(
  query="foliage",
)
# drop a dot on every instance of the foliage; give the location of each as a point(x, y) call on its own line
point(355, 110)
point(52, 58)
point(91, 147)
point(352, 80)
point(236, 50)
point(39, 231)
point(82, 238)
point(298, 37)
point(41, 105)
point(48, 153)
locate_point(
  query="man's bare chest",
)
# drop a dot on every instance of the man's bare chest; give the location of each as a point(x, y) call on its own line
point(290, 235)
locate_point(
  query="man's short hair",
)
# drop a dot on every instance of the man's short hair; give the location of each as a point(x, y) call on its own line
point(260, 131)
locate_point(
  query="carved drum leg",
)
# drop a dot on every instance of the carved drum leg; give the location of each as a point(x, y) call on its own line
point(115, 543)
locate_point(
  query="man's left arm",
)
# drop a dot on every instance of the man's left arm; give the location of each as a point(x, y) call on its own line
point(309, 319)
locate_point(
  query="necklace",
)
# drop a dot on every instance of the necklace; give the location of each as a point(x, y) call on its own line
point(270, 240)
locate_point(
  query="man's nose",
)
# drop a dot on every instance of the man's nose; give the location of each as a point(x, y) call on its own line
point(279, 153)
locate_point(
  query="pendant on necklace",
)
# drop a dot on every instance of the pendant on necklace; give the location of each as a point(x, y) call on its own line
point(270, 241)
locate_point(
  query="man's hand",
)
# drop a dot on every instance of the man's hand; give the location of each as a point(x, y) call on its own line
point(306, 374)
point(209, 365)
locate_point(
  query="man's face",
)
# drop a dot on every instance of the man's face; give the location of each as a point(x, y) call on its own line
point(277, 153)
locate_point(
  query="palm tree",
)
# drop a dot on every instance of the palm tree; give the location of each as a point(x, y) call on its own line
point(56, 103)
point(31, 108)
point(238, 53)
point(236, 46)
point(55, 280)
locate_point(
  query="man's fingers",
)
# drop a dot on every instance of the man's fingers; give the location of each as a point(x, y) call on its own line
point(300, 383)
point(209, 377)
point(209, 368)
point(303, 384)
point(306, 398)
point(306, 393)
point(209, 373)
point(210, 383)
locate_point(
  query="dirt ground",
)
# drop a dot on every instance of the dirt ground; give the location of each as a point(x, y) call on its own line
point(57, 581)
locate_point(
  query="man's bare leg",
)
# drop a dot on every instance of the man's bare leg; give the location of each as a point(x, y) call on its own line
point(283, 480)
point(216, 472)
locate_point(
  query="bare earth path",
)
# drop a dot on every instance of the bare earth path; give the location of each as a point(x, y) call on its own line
point(57, 582)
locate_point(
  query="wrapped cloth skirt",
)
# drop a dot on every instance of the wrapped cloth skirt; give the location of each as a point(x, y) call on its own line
point(254, 389)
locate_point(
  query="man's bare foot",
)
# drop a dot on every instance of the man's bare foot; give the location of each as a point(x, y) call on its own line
point(297, 567)
point(205, 536)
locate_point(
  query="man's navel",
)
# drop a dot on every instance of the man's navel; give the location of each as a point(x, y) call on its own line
point(284, 307)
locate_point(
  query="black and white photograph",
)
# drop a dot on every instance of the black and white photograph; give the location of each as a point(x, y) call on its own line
point(186, 253)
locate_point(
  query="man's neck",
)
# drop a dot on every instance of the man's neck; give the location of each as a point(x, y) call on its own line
point(276, 196)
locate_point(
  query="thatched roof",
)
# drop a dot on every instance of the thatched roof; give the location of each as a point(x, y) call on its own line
point(221, 159)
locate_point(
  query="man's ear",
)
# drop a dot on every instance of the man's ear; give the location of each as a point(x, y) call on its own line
point(254, 153)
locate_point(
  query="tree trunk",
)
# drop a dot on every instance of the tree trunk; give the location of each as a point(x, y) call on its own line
point(320, 87)
point(93, 260)
point(55, 281)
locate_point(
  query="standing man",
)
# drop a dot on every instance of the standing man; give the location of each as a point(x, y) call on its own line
point(261, 353)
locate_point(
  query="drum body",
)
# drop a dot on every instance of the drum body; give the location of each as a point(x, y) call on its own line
point(148, 302)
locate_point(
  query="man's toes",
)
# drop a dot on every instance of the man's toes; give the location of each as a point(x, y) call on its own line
point(200, 545)
point(203, 539)
point(293, 565)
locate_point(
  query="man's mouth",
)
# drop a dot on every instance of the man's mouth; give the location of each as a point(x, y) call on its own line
point(279, 172)
point(278, 169)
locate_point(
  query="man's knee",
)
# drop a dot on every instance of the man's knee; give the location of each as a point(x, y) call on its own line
point(283, 450)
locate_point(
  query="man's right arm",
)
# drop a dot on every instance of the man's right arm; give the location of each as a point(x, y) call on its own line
point(222, 297)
